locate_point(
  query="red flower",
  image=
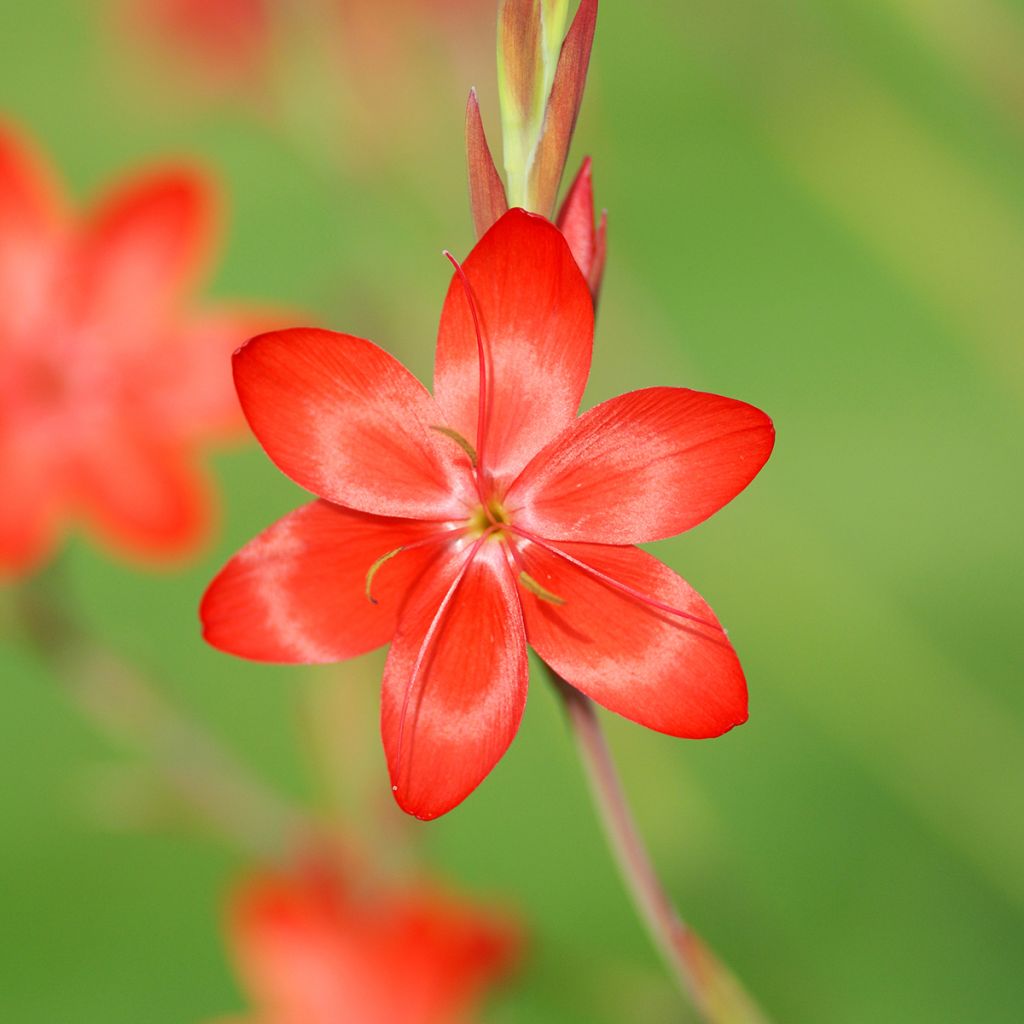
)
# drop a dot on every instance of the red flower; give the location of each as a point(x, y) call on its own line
point(482, 524)
point(310, 951)
point(223, 42)
point(107, 384)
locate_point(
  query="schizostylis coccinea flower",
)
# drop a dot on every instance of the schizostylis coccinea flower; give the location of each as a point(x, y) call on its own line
point(111, 377)
point(462, 525)
point(217, 43)
point(315, 947)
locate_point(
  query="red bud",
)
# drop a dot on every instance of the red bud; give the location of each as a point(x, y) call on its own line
point(563, 108)
point(576, 222)
point(519, 36)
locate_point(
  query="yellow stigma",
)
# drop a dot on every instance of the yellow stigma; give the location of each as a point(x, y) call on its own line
point(482, 519)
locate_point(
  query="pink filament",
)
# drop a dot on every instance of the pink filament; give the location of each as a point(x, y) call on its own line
point(483, 408)
point(435, 625)
point(434, 538)
point(610, 581)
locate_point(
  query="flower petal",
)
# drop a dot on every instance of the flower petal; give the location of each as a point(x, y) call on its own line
point(314, 946)
point(644, 466)
point(30, 201)
point(678, 675)
point(298, 592)
point(147, 244)
point(30, 508)
point(142, 496)
point(30, 229)
point(538, 323)
point(347, 421)
point(450, 954)
point(455, 681)
point(298, 948)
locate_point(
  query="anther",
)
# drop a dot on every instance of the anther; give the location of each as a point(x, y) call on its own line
point(538, 589)
point(459, 440)
point(373, 570)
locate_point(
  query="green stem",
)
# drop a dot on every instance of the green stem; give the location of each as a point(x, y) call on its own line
point(714, 991)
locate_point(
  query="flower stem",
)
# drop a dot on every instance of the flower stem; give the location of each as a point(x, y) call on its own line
point(712, 988)
point(123, 703)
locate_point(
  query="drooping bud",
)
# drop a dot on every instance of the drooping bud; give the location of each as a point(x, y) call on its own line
point(576, 222)
point(486, 191)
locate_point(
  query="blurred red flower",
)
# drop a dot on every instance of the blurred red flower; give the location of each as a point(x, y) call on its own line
point(109, 382)
point(223, 42)
point(240, 45)
point(495, 517)
point(310, 950)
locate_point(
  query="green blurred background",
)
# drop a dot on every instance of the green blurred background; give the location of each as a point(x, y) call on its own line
point(816, 207)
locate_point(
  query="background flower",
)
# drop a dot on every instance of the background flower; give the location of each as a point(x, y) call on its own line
point(112, 377)
point(315, 947)
point(222, 44)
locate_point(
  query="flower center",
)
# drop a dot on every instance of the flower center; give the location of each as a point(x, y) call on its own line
point(485, 517)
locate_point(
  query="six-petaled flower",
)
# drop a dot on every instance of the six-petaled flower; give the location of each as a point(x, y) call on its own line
point(464, 525)
point(109, 380)
point(313, 947)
